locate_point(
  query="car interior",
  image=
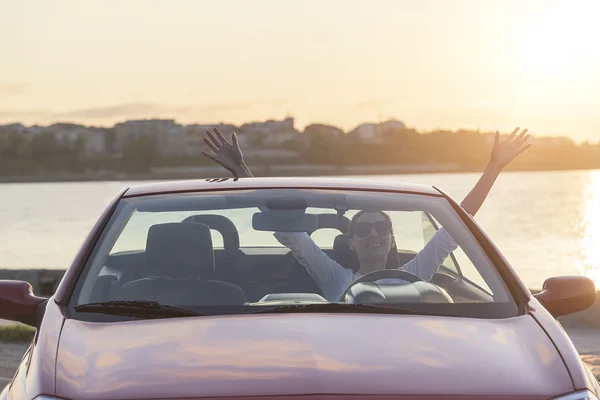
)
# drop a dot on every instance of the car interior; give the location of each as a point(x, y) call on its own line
point(180, 266)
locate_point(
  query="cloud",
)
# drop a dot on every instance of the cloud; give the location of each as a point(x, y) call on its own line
point(129, 110)
point(243, 105)
point(12, 89)
point(126, 110)
point(370, 104)
point(139, 110)
point(23, 113)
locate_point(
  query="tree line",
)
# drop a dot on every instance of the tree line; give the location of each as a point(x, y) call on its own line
point(466, 150)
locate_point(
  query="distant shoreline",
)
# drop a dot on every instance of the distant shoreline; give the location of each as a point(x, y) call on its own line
point(185, 173)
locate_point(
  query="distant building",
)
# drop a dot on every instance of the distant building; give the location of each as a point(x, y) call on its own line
point(320, 134)
point(323, 130)
point(33, 131)
point(391, 126)
point(285, 126)
point(28, 133)
point(94, 142)
point(269, 133)
point(279, 139)
point(170, 137)
point(12, 128)
point(367, 133)
point(88, 140)
point(375, 133)
point(5, 133)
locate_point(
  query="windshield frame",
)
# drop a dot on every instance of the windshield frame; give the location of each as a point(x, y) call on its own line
point(117, 222)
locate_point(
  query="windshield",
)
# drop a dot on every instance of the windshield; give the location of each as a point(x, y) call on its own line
point(239, 251)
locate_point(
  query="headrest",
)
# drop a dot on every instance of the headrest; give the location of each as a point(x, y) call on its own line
point(346, 257)
point(223, 225)
point(180, 250)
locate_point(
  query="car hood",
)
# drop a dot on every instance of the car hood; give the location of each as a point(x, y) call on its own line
point(291, 354)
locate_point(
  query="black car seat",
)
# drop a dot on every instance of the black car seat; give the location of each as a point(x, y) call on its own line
point(299, 279)
point(343, 254)
point(230, 259)
point(180, 264)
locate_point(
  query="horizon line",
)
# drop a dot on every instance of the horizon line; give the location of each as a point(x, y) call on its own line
point(424, 131)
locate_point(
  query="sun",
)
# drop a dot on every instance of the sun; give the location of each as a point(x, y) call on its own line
point(559, 41)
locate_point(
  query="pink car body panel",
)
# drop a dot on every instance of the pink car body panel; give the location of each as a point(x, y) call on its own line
point(36, 373)
point(296, 354)
point(582, 377)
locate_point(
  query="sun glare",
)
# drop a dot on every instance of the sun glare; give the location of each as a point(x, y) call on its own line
point(590, 264)
point(560, 40)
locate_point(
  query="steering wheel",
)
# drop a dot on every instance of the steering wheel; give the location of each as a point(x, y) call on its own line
point(383, 274)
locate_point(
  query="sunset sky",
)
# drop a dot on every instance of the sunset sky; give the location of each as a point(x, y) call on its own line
point(432, 64)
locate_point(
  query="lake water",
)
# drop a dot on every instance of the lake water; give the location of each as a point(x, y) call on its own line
point(546, 223)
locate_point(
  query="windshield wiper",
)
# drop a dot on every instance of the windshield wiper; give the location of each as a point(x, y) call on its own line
point(153, 309)
point(341, 308)
point(137, 308)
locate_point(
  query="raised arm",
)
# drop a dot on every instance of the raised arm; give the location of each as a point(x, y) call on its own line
point(228, 155)
point(502, 154)
point(427, 262)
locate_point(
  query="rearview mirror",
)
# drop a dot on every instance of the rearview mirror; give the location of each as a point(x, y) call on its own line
point(285, 221)
point(18, 303)
point(565, 295)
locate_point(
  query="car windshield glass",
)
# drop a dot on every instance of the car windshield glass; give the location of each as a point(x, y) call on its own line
point(243, 250)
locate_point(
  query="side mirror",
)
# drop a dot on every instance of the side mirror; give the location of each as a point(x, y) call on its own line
point(565, 295)
point(18, 303)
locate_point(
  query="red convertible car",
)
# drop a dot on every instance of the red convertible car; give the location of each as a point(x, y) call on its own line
point(295, 288)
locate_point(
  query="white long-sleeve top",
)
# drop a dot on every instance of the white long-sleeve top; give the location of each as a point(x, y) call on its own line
point(334, 279)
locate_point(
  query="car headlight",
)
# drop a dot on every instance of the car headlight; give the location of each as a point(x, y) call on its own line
point(582, 395)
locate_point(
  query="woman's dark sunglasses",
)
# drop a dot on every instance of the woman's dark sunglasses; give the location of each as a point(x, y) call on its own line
point(363, 229)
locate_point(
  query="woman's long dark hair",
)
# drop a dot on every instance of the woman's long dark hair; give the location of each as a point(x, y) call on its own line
point(393, 261)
